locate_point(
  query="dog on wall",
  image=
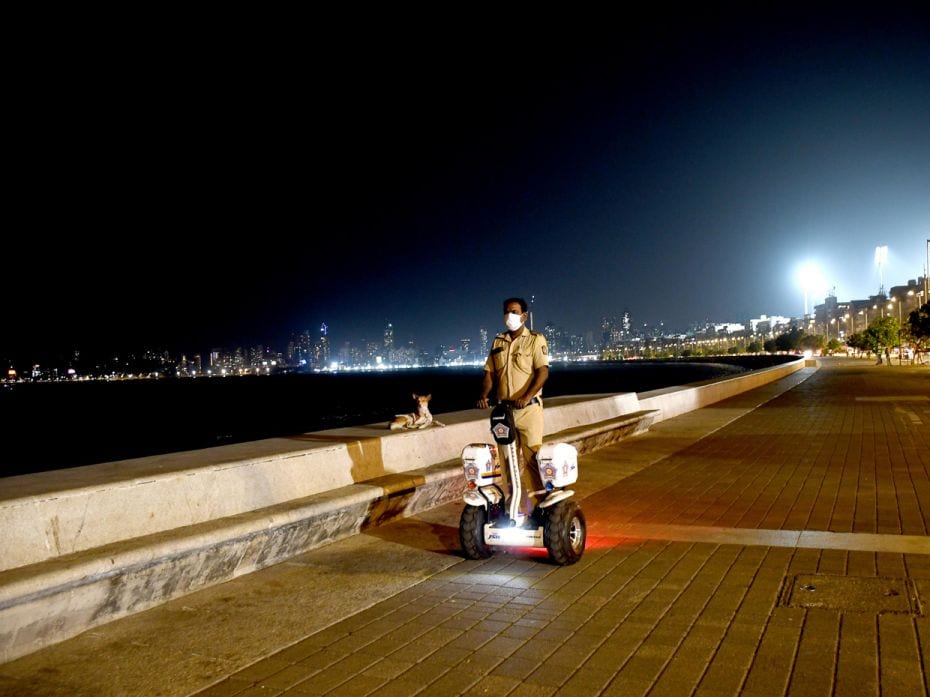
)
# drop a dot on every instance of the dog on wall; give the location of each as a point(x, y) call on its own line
point(421, 418)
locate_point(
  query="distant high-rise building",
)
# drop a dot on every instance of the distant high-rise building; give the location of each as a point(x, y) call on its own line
point(606, 331)
point(389, 338)
point(373, 351)
point(484, 341)
point(305, 346)
point(576, 344)
point(553, 337)
point(349, 354)
point(616, 332)
point(322, 346)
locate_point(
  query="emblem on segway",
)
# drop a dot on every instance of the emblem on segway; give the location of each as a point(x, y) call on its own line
point(500, 431)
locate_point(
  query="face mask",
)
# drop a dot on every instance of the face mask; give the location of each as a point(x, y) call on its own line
point(513, 321)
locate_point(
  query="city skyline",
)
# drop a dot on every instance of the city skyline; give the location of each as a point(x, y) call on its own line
point(683, 167)
point(319, 349)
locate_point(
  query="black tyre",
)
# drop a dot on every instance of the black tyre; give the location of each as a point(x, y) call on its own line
point(471, 532)
point(565, 532)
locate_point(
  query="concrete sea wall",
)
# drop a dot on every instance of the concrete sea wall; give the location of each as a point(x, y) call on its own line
point(88, 545)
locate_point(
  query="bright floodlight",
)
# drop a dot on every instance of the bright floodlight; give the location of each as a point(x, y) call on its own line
point(881, 255)
point(811, 280)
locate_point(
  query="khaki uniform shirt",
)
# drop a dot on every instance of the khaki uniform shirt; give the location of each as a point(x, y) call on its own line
point(513, 362)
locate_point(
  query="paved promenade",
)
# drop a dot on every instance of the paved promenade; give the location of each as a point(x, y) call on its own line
point(775, 543)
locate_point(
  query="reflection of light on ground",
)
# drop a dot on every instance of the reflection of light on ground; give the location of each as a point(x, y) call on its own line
point(607, 542)
point(528, 552)
point(598, 542)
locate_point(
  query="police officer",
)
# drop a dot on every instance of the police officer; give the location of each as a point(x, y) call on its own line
point(518, 365)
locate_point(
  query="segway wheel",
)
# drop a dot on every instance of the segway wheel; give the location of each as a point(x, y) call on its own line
point(565, 532)
point(471, 532)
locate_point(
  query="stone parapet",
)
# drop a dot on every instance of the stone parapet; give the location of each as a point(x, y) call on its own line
point(51, 514)
point(118, 538)
point(672, 401)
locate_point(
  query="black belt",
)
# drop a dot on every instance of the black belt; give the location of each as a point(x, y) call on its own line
point(513, 405)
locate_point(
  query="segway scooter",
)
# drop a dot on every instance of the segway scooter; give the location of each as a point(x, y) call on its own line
point(491, 520)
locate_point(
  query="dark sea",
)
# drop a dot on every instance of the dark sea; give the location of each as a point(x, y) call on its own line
point(49, 426)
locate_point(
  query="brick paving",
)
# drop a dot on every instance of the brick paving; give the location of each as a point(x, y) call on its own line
point(816, 459)
point(846, 451)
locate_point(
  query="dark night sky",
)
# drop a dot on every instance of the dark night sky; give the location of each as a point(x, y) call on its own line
point(208, 187)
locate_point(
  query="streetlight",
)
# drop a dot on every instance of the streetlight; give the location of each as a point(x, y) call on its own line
point(926, 275)
point(900, 347)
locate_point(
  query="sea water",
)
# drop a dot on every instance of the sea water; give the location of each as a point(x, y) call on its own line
point(56, 425)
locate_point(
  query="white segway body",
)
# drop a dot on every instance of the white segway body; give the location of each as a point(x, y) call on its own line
point(490, 520)
point(482, 474)
point(558, 468)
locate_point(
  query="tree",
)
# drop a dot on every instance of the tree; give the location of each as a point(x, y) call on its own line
point(857, 342)
point(811, 342)
point(790, 341)
point(881, 335)
point(770, 346)
point(918, 323)
point(755, 347)
point(833, 346)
